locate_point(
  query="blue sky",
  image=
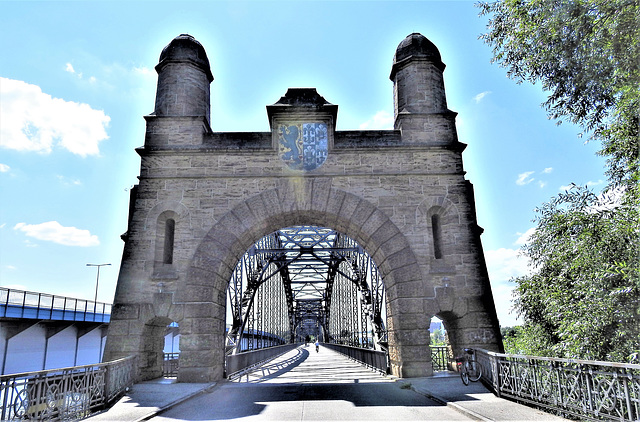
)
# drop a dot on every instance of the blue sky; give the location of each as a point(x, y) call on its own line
point(76, 79)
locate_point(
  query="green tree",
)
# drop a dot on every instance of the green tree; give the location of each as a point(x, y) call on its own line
point(582, 298)
point(585, 53)
point(437, 338)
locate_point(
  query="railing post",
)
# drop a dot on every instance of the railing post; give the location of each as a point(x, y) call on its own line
point(106, 393)
point(495, 367)
point(627, 397)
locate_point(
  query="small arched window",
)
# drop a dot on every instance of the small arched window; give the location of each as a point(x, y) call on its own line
point(436, 231)
point(169, 231)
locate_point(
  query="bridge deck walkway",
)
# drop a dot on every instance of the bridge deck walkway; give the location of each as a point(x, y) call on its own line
point(305, 385)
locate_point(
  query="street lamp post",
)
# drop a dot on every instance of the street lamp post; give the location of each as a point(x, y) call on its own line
point(95, 300)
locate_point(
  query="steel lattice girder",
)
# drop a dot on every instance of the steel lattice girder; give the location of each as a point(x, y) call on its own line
point(307, 259)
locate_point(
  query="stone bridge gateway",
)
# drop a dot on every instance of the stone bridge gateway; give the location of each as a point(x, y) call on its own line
point(205, 197)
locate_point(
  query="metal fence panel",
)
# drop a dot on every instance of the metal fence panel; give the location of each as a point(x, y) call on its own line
point(64, 394)
point(374, 359)
point(590, 390)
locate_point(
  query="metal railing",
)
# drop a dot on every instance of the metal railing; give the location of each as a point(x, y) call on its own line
point(64, 394)
point(588, 390)
point(170, 365)
point(239, 362)
point(33, 305)
point(374, 359)
point(441, 358)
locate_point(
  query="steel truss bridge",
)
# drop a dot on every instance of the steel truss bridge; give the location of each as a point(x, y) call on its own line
point(306, 282)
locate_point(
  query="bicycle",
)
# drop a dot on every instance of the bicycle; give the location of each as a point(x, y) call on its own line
point(469, 369)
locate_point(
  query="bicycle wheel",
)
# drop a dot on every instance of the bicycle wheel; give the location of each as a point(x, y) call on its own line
point(464, 375)
point(475, 371)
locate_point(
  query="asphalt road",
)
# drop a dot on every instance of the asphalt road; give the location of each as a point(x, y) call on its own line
point(303, 385)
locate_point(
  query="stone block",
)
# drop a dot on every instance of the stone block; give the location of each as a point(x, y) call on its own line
point(125, 311)
point(199, 310)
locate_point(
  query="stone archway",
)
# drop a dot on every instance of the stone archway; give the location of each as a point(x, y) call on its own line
point(204, 197)
point(292, 203)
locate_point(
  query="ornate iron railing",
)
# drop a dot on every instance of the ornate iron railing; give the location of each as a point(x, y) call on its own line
point(64, 394)
point(589, 390)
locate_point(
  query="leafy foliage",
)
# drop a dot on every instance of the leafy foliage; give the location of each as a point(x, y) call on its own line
point(582, 299)
point(585, 53)
point(437, 338)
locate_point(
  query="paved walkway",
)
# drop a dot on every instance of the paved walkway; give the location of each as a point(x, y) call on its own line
point(147, 399)
point(317, 390)
point(475, 400)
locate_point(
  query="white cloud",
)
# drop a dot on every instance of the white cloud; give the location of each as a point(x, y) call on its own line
point(589, 184)
point(524, 237)
point(547, 170)
point(4, 168)
point(480, 96)
point(382, 120)
point(542, 184)
point(11, 267)
point(504, 264)
point(525, 178)
point(53, 231)
point(144, 71)
point(35, 121)
point(69, 68)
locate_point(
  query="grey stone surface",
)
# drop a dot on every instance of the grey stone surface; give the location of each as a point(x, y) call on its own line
point(226, 190)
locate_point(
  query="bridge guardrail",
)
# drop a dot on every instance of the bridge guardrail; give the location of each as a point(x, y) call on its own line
point(66, 393)
point(374, 359)
point(170, 365)
point(245, 360)
point(441, 358)
point(32, 305)
point(589, 390)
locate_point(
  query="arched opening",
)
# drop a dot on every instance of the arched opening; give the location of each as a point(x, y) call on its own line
point(442, 358)
point(160, 349)
point(169, 232)
point(171, 351)
point(436, 232)
point(302, 283)
point(166, 231)
point(300, 201)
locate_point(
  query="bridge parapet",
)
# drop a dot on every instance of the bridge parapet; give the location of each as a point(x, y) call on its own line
point(33, 305)
point(374, 359)
point(67, 393)
point(589, 390)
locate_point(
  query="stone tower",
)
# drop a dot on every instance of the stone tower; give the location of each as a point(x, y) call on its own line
point(205, 197)
point(420, 111)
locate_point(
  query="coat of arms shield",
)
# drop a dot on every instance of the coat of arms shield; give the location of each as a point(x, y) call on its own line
point(303, 146)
